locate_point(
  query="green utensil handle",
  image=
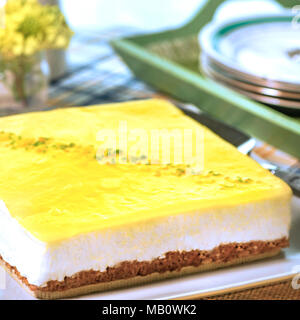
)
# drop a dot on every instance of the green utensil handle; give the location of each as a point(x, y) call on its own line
point(288, 3)
point(204, 15)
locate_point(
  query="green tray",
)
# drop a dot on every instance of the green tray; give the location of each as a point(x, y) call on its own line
point(168, 61)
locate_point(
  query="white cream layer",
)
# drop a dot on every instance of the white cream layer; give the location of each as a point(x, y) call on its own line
point(40, 263)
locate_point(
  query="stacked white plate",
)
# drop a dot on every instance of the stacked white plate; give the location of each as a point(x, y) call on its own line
point(256, 56)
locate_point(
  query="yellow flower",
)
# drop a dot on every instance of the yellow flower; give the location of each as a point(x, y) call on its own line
point(31, 27)
point(31, 45)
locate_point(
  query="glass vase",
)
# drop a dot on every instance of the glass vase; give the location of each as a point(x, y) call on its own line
point(26, 81)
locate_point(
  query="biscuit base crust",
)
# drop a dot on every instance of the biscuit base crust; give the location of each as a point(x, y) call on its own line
point(130, 273)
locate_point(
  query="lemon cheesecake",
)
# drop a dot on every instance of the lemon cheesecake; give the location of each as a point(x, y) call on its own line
point(79, 213)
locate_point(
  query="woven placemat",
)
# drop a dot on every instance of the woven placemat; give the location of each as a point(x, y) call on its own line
point(282, 290)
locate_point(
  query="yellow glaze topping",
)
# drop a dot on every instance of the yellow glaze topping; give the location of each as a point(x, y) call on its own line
point(53, 185)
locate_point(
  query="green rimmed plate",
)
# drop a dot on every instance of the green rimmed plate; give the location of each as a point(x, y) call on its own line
point(263, 50)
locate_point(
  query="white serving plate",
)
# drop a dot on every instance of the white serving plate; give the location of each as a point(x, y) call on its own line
point(284, 266)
